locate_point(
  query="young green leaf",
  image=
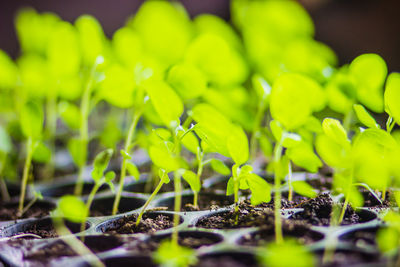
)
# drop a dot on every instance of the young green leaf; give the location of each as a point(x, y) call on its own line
point(192, 179)
point(230, 187)
point(238, 145)
point(331, 152)
point(5, 141)
point(260, 189)
point(72, 208)
point(32, 120)
point(70, 114)
point(220, 167)
point(392, 96)
point(364, 117)
point(303, 155)
point(170, 254)
point(133, 170)
point(162, 157)
point(42, 153)
point(100, 164)
point(334, 130)
point(304, 189)
point(8, 71)
point(76, 151)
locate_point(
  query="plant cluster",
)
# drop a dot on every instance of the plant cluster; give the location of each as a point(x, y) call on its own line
point(199, 96)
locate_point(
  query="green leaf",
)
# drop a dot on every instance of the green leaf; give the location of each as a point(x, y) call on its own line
point(109, 176)
point(163, 176)
point(192, 179)
point(388, 239)
point(163, 158)
point(70, 114)
point(190, 141)
point(260, 189)
point(77, 151)
point(220, 167)
point(72, 208)
point(125, 154)
point(32, 120)
point(5, 141)
point(303, 155)
point(166, 102)
point(128, 46)
point(293, 99)
point(172, 255)
point(133, 170)
point(334, 130)
point(364, 117)
point(238, 145)
point(188, 81)
point(8, 71)
point(230, 187)
point(331, 152)
point(304, 189)
point(392, 96)
point(261, 86)
point(42, 153)
point(100, 164)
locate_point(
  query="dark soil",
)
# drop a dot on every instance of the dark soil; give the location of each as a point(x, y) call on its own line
point(322, 183)
point(317, 211)
point(248, 216)
point(351, 257)
point(9, 212)
point(58, 248)
point(285, 203)
point(228, 259)
point(149, 224)
point(266, 234)
point(206, 201)
point(362, 238)
point(371, 202)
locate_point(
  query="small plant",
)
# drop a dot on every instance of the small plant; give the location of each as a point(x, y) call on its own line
point(74, 210)
point(170, 254)
point(5, 148)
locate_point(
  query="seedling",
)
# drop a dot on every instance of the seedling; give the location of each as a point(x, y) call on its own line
point(99, 177)
point(32, 125)
point(5, 148)
point(170, 254)
point(73, 209)
point(36, 196)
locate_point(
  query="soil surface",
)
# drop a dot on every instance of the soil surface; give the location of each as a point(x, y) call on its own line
point(371, 202)
point(148, 224)
point(352, 257)
point(231, 260)
point(317, 211)
point(9, 212)
point(285, 203)
point(206, 201)
point(247, 216)
point(266, 234)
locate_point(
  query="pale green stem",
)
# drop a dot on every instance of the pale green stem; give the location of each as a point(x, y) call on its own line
point(178, 199)
point(347, 197)
point(139, 218)
point(277, 196)
point(51, 126)
point(195, 199)
point(127, 145)
point(347, 120)
point(89, 203)
point(27, 166)
point(199, 173)
point(256, 129)
point(3, 186)
point(290, 196)
point(75, 244)
point(28, 206)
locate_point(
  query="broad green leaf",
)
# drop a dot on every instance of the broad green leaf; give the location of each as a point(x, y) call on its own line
point(334, 130)
point(313, 124)
point(212, 127)
point(70, 114)
point(220, 167)
point(238, 145)
point(304, 189)
point(356, 199)
point(72, 208)
point(76, 150)
point(5, 141)
point(91, 37)
point(100, 164)
point(265, 145)
point(364, 117)
point(109, 176)
point(170, 254)
point(190, 141)
point(32, 120)
point(276, 129)
point(230, 187)
point(192, 179)
point(281, 168)
point(165, 101)
point(8, 71)
point(290, 139)
point(34, 75)
point(303, 156)
point(133, 170)
point(163, 133)
point(331, 152)
point(188, 81)
point(63, 52)
point(163, 158)
point(291, 102)
point(388, 239)
point(392, 96)
point(260, 189)
point(42, 153)
point(128, 46)
point(369, 73)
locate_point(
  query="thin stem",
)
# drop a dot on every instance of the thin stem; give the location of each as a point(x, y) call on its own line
point(347, 120)
point(277, 196)
point(178, 199)
point(290, 196)
point(28, 206)
point(3, 186)
point(75, 244)
point(256, 129)
point(347, 197)
point(27, 166)
point(139, 218)
point(195, 199)
point(200, 157)
point(51, 126)
point(127, 145)
point(89, 203)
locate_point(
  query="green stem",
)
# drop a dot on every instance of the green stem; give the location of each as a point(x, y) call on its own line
point(75, 244)
point(127, 145)
point(277, 196)
point(89, 203)
point(290, 196)
point(347, 197)
point(347, 120)
point(28, 206)
point(51, 126)
point(139, 218)
point(200, 157)
point(195, 199)
point(27, 166)
point(178, 199)
point(3, 186)
point(256, 129)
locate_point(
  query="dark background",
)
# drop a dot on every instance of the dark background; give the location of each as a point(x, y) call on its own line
point(350, 27)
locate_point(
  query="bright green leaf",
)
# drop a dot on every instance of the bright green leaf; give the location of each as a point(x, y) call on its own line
point(42, 153)
point(70, 114)
point(364, 117)
point(304, 189)
point(192, 179)
point(72, 208)
point(220, 167)
point(32, 120)
point(238, 145)
point(133, 170)
point(392, 96)
point(260, 189)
